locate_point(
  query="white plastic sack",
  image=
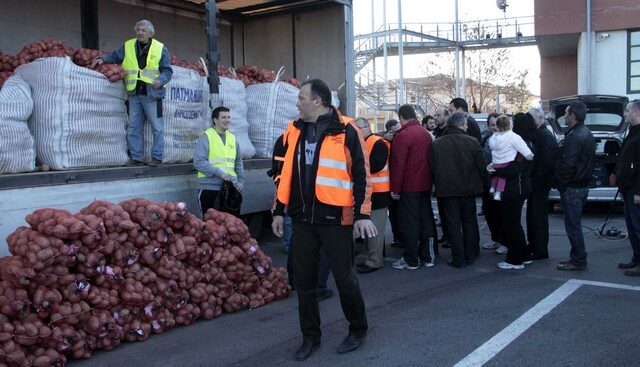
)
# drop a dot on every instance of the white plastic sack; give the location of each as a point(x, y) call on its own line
point(184, 111)
point(271, 107)
point(232, 96)
point(17, 152)
point(79, 118)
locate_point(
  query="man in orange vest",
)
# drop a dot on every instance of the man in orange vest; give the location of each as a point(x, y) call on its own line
point(325, 187)
point(378, 151)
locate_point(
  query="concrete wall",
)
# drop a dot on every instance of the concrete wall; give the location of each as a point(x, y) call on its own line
point(608, 74)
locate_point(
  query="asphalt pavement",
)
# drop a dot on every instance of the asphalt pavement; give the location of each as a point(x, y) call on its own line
point(438, 316)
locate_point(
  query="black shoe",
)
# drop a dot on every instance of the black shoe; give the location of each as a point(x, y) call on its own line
point(635, 272)
point(366, 269)
point(396, 244)
point(351, 343)
point(630, 265)
point(569, 266)
point(537, 257)
point(442, 240)
point(306, 350)
point(454, 264)
point(155, 162)
point(324, 293)
point(445, 245)
point(133, 162)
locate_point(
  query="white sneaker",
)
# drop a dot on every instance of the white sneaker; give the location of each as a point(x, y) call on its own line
point(429, 264)
point(491, 245)
point(401, 264)
point(505, 265)
point(502, 250)
point(497, 196)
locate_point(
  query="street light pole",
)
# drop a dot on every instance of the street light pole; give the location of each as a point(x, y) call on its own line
point(401, 51)
point(456, 35)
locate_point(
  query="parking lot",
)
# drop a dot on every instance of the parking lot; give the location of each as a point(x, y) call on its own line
point(440, 316)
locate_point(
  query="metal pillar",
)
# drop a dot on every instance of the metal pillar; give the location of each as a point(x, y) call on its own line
point(588, 40)
point(400, 52)
point(213, 56)
point(456, 36)
point(349, 74)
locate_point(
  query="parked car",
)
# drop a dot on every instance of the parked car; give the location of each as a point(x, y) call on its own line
point(481, 119)
point(605, 119)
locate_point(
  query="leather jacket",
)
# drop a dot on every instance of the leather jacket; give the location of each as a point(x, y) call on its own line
point(577, 157)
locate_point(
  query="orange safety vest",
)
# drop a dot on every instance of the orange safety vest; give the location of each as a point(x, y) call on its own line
point(334, 185)
point(381, 180)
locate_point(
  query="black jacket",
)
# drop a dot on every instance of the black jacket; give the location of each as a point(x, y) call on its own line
point(473, 129)
point(457, 164)
point(545, 159)
point(577, 157)
point(518, 175)
point(628, 168)
point(378, 159)
point(303, 204)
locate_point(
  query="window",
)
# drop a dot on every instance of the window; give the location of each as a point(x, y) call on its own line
point(633, 69)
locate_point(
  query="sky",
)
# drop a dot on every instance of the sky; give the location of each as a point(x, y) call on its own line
point(443, 11)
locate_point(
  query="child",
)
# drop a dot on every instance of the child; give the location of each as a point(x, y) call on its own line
point(505, 145)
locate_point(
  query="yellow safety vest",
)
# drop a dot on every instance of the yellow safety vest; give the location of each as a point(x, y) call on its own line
point(132, 70)
point(221, 155)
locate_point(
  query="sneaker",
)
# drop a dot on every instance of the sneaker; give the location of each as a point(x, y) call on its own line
point(491, 245)
point(528, 262)
point(401, 264)
point(507, 266)
point(502, 250)
point(568, 266)
point(497, 196)
point(427, 263)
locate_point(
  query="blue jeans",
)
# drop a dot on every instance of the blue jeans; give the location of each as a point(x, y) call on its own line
point(286, 237)
point(632, 218)
point(144, 108)
point(573, 199)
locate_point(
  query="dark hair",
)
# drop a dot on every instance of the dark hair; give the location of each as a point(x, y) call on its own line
point(320, 89)
point(390, 123)
point(426, 119)
point(460, 103)
point(503, 122)
point(579, 110)
point(407, 112)
point(494, 115)
point(216, 112)
point(457, 119)
point(524, 125)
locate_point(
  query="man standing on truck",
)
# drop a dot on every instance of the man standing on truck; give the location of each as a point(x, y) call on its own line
point(147, 65)
point(326, 189)
point(628, 180)
point(577, 156)
point(218, 159)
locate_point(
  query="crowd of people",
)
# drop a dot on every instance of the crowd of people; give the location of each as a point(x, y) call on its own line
point(334, 177)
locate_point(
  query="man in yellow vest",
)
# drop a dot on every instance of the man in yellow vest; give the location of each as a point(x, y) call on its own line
point(325, 187)
point(378, 151)
point(148, 69)
point(218, 159)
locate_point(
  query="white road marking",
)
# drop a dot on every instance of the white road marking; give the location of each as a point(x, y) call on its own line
point(493, 346)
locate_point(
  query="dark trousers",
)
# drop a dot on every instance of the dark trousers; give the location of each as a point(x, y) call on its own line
point(434, 232)
point(573, 200)
point(462, 228)
point(393, 220)
point(511, 210)
point(445, 231)
point(323, 273)
point(491, 209)
point(337, 242)
point(632, 218)
point(415, 224)
point(538, 219)
point(208, 200)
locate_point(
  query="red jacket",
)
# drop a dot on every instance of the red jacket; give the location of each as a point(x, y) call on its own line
point(409, 163)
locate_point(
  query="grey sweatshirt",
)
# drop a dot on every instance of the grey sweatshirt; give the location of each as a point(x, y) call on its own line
point(213, 181)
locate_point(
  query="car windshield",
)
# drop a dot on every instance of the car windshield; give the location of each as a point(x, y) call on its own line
point(599, 119)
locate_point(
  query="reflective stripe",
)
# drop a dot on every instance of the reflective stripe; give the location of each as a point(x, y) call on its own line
point(386, 168)
point(132, 72)
point(334, 182)
point(277, 158)
point(332, 163)
point(222, 160)
point(130, 81)
point(380, 179)
point(150, 73)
